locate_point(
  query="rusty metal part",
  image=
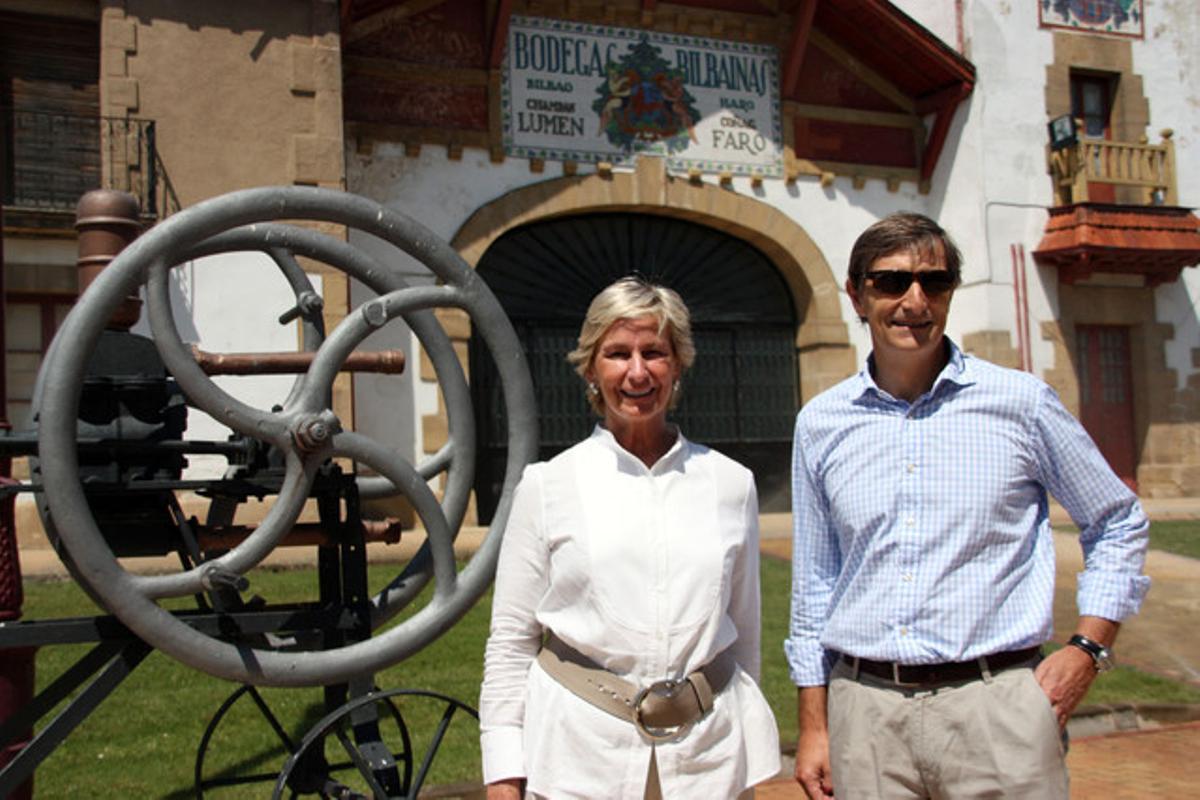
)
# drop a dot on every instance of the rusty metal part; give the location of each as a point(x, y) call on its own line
point(388, 362)
point(303, 534)
point(107, 220)
point(313, 431)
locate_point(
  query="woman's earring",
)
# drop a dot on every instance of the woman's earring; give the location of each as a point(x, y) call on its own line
point(592, 389)
point(675, 388)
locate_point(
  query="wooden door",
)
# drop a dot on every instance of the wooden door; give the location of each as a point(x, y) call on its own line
point(1091, 101)
point(1106, 395)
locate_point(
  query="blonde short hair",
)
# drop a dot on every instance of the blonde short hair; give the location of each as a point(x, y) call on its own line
point(629, 298)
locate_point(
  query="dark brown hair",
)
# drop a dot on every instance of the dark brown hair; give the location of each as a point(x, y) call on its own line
point(904, 231)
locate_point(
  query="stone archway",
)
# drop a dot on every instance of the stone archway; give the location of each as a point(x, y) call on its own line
point(824, 354)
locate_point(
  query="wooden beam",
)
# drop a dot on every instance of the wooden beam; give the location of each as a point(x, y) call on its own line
point(818, 167)
point(499, 34)
point(936, 100)
point(862, 71)
point(886, 119)
point(941, 126)
point(801, 28)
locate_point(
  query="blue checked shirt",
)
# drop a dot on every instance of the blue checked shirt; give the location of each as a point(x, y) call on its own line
point(922, 532)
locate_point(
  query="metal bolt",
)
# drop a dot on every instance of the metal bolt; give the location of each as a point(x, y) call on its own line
point(311, 433)
point(375, 313)
point(308, 304)
point(213, 577)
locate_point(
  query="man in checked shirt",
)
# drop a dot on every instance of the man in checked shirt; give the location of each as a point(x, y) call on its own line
point(923, 561)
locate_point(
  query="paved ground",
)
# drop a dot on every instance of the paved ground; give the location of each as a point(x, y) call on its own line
point(1116, 754)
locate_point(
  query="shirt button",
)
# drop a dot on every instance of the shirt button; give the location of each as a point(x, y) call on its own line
point(908, 577)
point(904, 631)
point(910, 521)
point(911, 468)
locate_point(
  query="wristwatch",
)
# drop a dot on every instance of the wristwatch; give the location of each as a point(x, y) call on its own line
point(1101, 656)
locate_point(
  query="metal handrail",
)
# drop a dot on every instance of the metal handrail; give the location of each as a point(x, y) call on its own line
point(51, 159)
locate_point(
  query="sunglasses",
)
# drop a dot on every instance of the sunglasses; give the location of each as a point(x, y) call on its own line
point(895, 282)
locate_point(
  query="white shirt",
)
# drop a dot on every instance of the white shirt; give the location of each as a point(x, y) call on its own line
point(651, 573)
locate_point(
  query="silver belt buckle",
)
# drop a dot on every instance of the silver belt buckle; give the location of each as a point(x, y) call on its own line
point(667, 688)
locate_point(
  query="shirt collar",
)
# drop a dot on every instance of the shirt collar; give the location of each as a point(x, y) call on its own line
point(958, 371)
point(672, 459)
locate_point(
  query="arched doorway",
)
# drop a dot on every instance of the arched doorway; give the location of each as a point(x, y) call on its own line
point(740, 397)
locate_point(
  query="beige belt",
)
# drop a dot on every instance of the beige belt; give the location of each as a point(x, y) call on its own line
point(663, 710)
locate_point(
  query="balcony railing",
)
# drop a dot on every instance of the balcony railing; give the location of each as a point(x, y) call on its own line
point(1148, 169)
point(49, 160)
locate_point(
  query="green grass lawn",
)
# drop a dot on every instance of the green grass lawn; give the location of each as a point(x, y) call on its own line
point(1181, 537)
point(1178, 536)
point(142, 741)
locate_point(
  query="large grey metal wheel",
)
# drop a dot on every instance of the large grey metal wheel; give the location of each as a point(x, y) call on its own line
point(305, 431)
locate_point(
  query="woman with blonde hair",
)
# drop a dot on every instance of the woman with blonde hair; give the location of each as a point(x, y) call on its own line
point(624, 647)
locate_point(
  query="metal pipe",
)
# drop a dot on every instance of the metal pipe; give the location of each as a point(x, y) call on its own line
point(302, 534)
point(1020, 323)
point(388, 362)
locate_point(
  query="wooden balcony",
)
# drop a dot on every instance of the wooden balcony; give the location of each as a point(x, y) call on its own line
point(1143, 173)
point(1115, 213)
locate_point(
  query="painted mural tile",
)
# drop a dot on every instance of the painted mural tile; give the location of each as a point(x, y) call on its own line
point(1118, 17)
point(595, 93)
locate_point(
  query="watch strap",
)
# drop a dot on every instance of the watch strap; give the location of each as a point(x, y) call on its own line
point(1100, 654)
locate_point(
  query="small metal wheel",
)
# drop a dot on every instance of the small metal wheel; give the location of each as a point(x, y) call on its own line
point(203, 783)
point(312, 772)
point(374, 761)
point(304, 432)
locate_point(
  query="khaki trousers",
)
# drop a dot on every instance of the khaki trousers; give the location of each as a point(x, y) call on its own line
point(992, 737)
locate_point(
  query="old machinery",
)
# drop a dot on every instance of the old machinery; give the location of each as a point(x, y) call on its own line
point(110, 454)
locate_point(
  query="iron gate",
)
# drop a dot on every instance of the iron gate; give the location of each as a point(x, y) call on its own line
point(741, 395)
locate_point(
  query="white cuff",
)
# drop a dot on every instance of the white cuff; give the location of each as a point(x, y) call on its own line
point(503, 753)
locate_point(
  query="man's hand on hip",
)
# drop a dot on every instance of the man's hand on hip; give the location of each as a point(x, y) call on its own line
point(1065, 676)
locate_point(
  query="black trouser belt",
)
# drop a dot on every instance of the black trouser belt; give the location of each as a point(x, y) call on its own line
point(948, 672)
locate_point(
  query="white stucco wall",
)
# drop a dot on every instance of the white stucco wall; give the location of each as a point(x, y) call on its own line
point(442, 194)
point(992, 181)
point(231, 304)
point(939, 17)
point(990, 189)
point(1167, 60)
